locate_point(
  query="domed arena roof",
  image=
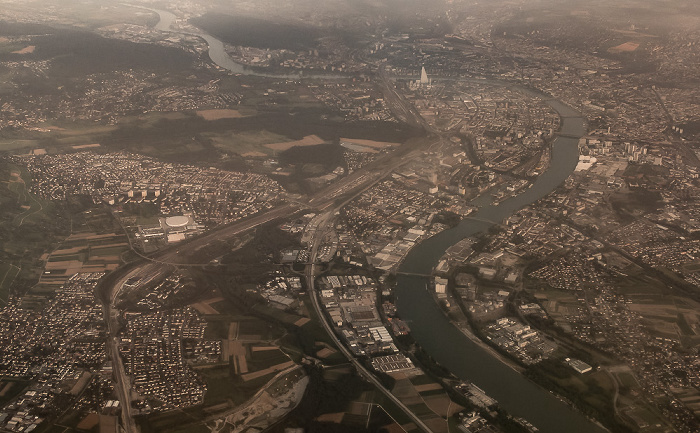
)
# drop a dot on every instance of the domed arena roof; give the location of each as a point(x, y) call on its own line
point(177, 221)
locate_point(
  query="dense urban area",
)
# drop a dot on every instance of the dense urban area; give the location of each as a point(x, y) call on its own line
point(227, 216)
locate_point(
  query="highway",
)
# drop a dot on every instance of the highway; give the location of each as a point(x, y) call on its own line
point(161, 264)
point(181, 254)
point(192, 253)
point(366, 374)
point(122, 384)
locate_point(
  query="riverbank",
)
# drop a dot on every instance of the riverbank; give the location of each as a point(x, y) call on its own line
point(469, 333)
point(487, 347)
point(218, 55)
point(462, 352)
point(513, 364)
point(469, 329)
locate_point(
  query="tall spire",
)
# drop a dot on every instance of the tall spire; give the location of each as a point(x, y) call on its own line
point(424, 76)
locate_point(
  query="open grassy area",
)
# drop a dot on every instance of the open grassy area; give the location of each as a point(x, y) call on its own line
point(8, 273)
point(7, 46)
point(257, 329)
point(421, 380)
point(420, 409)
point(255, 32)
point(30, 206)
point(246, 143)
point(217, 328)
point(225, 390)
point(172, 420)
point(312, 333)
point(592, 392)
point(684, 326)
point(90, 14)
point(627, 380)
point(147, 220)
point(279, 315)
point(186, 136)
point(263, 359)
point(58, 136)
point(66, 257)
point(224, 386)
point(108, 251)
point(639, 285)
point(29, 227)
point(644, 416)
point(17, 145)
point(78, 53)
point(96, 244)
point(432, 392)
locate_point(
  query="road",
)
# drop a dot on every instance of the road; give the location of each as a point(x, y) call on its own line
point(192, 252)
point(161, 264)
point(122, 384)
point(315, 243)
point(400, 107)
point(181, 255)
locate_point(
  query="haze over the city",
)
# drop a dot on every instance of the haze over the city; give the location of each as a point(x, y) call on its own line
point(294, 216)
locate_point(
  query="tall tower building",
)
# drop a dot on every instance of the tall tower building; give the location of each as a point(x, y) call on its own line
point(424, 77)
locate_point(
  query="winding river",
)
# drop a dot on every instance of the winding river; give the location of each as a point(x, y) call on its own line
point(430, 327)
point(218, 54)
point(449, 346)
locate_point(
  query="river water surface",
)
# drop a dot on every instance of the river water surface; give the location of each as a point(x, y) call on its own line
point(447, 345)
point(218, 54)
point(429, 326)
